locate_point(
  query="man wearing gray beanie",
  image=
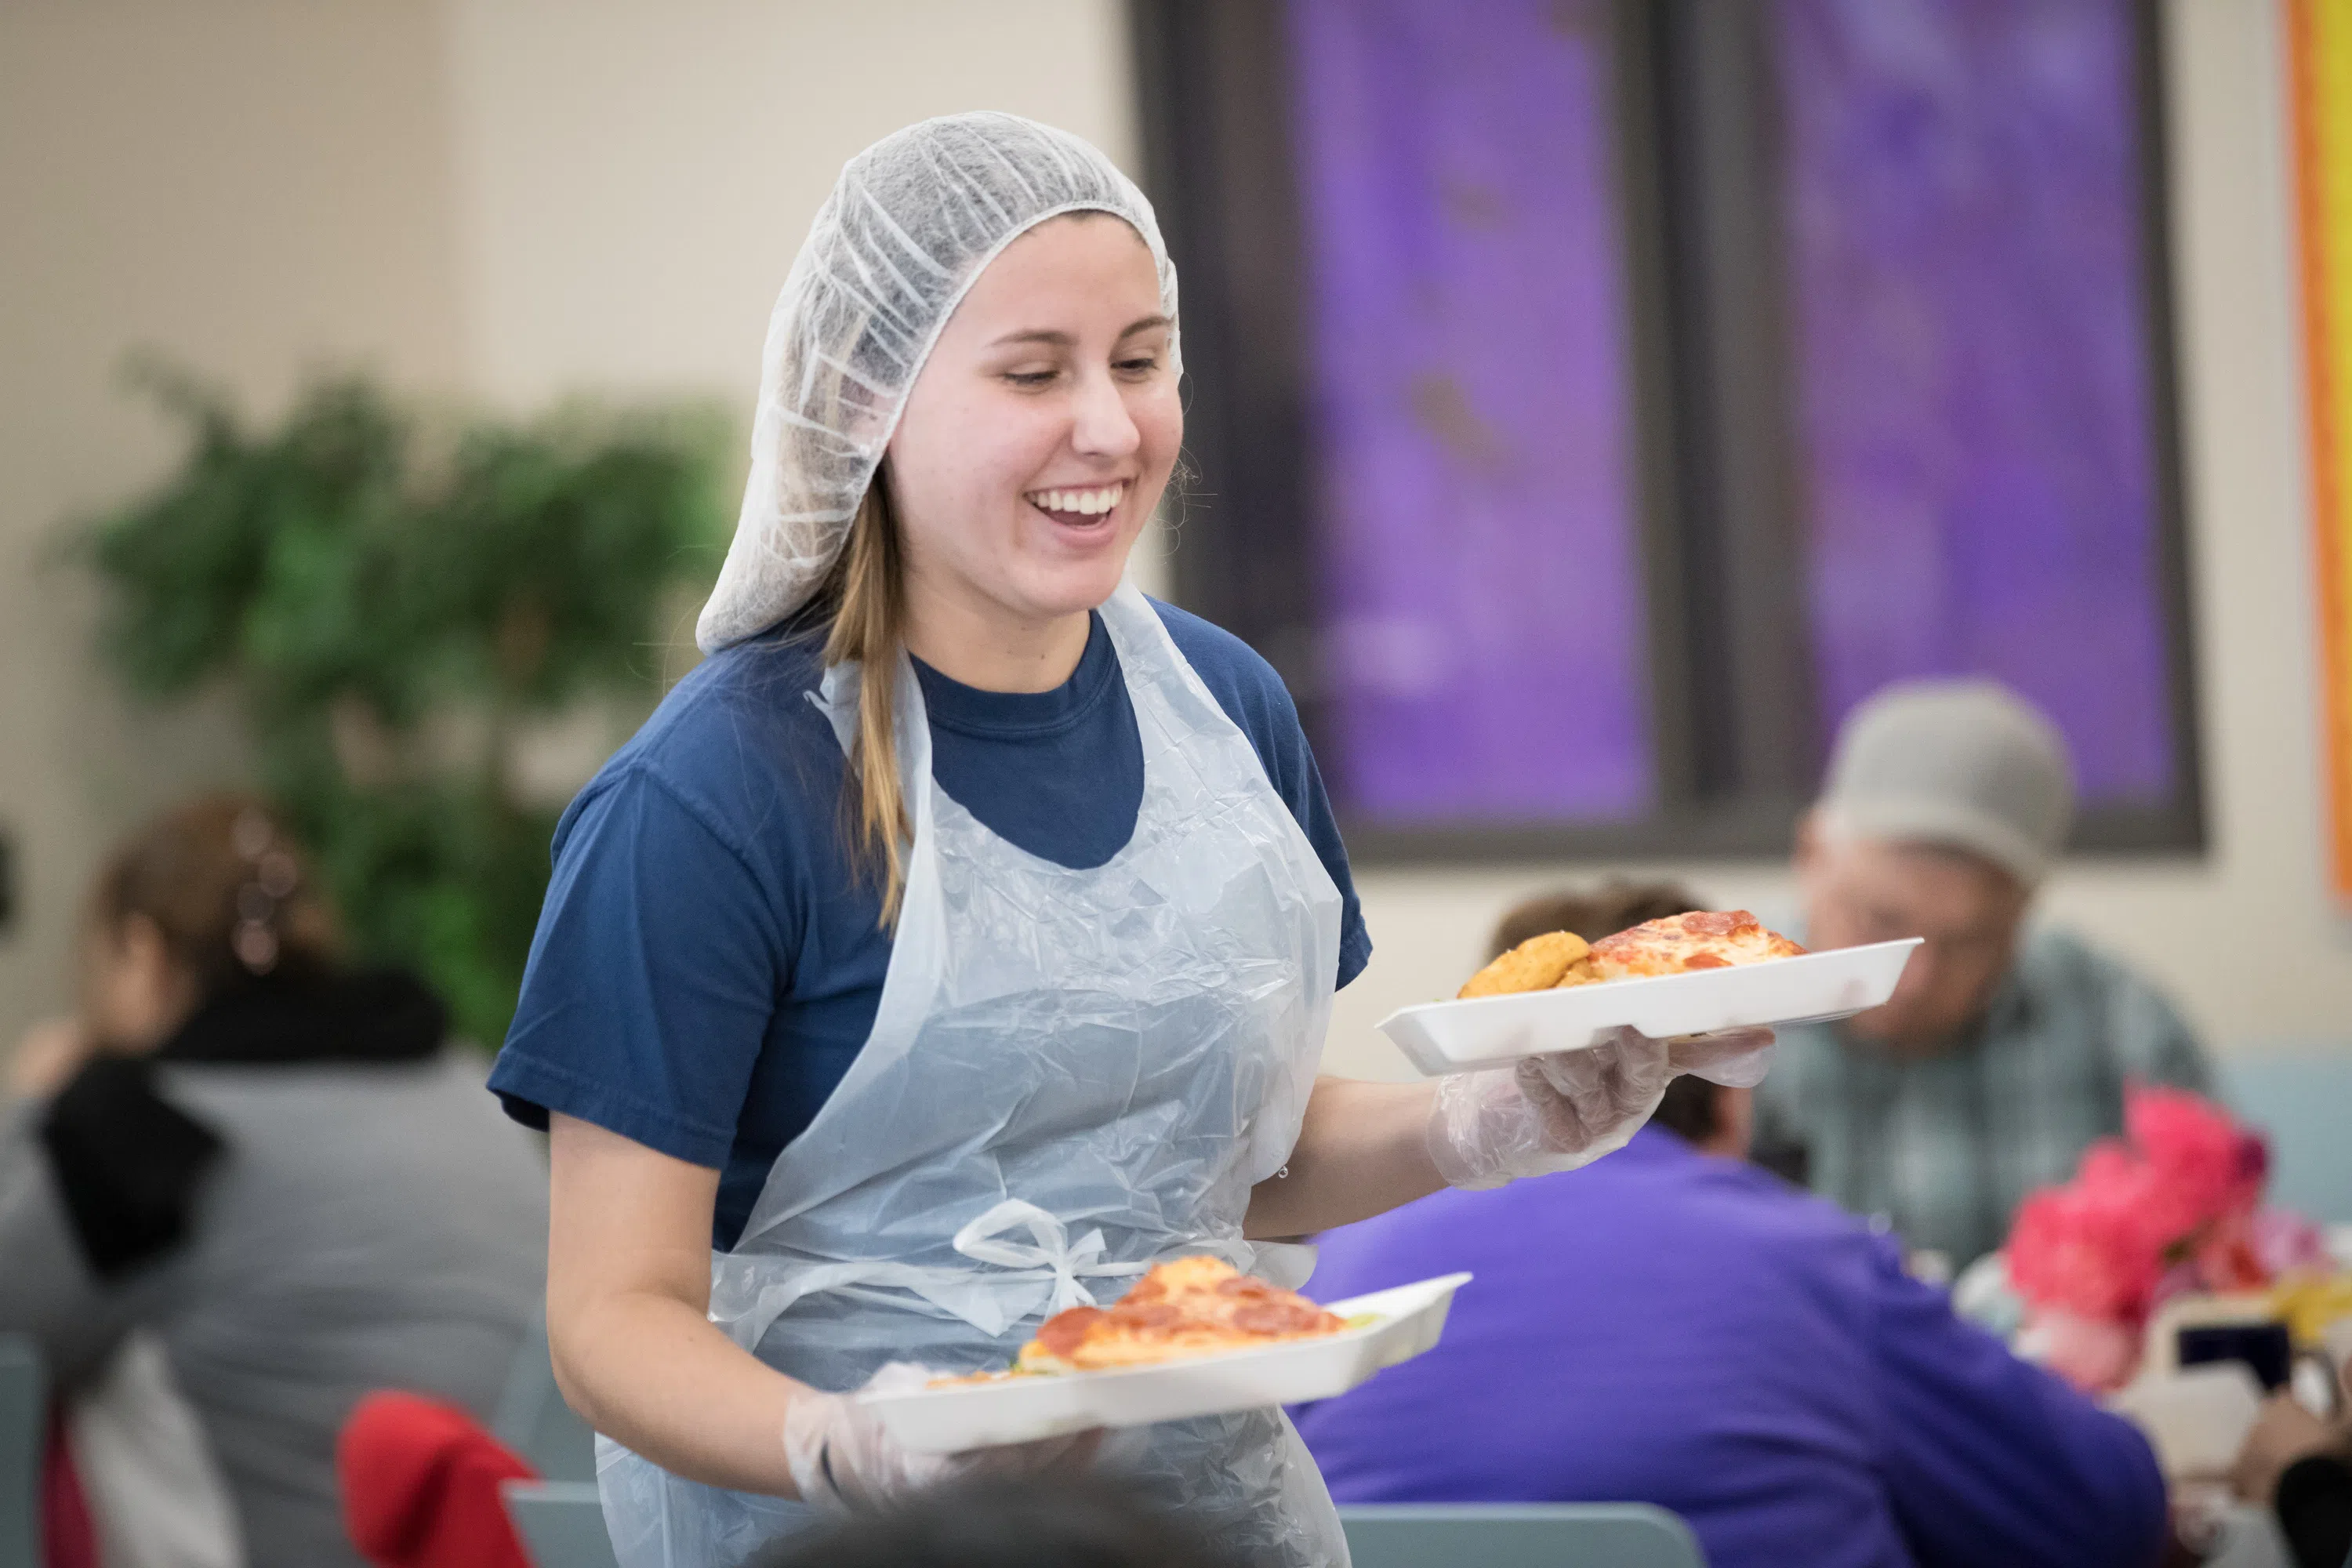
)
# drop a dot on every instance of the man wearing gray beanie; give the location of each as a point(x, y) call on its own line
point(2004, 1051)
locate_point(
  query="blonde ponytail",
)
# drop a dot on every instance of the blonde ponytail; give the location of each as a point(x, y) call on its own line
point(867, 591)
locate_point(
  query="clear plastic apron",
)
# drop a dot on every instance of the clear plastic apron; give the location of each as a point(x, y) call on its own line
point(1072, 1074)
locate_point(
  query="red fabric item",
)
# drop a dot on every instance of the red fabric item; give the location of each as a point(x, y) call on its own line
point(420, 1482)
point(68, 1537)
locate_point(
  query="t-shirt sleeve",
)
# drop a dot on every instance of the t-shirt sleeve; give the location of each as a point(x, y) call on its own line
point(1253, 697)
point(1300, 783)
point(653, 977)
point(1990, 1459)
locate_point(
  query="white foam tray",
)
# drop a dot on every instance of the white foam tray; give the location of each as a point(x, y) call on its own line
point(1441, 1037)
point(1023, 1409)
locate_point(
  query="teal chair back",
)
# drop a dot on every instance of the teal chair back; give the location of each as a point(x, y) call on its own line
point(533, 1420)
point(561, 1523)
point(1518, 1535)
point(563, 1526)
point(2298, 1097)
point(24, 1411)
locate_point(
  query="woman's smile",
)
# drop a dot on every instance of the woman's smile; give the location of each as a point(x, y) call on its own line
point(1088, 508)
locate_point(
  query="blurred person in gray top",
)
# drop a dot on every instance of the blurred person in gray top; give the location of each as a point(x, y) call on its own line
point(267, 1162)
point(2004, 1050)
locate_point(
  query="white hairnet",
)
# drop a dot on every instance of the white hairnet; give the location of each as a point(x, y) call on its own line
point(911, 222)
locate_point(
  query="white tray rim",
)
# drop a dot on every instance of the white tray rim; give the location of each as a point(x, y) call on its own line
point(1629, 994)
point(1404, 1309)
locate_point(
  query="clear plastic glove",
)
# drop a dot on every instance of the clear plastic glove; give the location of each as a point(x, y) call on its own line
point(844, 1461)
point(1557, 1111)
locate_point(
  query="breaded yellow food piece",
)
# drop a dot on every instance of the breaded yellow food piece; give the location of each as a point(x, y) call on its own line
point(1536, 964)
point(1579, 974)
point(1707, 939)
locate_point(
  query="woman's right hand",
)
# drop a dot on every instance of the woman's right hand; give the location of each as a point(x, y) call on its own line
point(1565, 1108)
point(844, 1460)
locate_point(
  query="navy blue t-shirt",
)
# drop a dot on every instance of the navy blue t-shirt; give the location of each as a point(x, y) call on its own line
point(710, 957)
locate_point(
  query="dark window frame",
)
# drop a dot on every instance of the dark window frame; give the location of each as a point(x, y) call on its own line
point(1732, 706)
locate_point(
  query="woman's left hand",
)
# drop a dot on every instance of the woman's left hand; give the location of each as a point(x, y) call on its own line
point(1559, 1110)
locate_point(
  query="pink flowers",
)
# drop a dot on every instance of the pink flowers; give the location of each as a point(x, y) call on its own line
point(2210, 1166)
point(2094, 1248)
point(2168, 1208)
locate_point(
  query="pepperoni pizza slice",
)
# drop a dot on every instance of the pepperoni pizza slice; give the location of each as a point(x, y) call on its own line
point(1187, 1307)
point(1704, 939)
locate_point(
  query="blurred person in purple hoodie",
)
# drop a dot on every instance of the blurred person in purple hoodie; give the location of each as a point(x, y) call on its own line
point(1675, 1326)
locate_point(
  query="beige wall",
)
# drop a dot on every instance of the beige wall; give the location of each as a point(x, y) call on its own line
point(637, 175)
point(520, 198)
point(254, 186)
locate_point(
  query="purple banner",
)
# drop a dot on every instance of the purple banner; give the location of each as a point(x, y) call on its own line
point(1977, 444)
point(1483, 605)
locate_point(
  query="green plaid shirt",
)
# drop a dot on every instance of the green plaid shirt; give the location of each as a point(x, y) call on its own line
point(1944, 1147)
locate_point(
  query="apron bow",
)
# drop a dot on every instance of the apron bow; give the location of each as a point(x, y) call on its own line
point(748, 1294)
point(984, 1241)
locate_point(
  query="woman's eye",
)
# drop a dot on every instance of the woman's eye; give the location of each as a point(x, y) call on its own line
point(1031, 378)
point(1142, 366)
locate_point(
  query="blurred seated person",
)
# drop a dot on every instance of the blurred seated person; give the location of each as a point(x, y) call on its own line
point(1672, 1325)
point(2003, 1052)
point(267, 1162)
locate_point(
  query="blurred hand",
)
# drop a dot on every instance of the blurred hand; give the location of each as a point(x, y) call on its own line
point(1735, 1058)
point(47, 1053)
point(2283, 1433)
point(844, 1461)
point(1557, 1111)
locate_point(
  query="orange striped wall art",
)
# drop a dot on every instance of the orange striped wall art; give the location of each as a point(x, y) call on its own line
point(2319, 43)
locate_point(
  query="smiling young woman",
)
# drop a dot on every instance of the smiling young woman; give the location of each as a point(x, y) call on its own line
point(1059, 990)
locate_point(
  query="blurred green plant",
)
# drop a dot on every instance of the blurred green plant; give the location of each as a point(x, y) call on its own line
point(396, 599)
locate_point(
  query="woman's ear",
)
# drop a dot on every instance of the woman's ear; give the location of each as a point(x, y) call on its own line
point(139, 944)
